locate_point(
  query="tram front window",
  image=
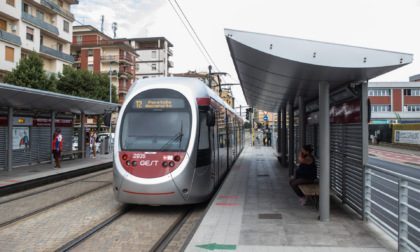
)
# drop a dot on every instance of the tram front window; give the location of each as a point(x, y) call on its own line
point(155, 123)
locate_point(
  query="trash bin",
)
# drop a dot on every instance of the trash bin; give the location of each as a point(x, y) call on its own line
point(102, 146)
point(105, 145)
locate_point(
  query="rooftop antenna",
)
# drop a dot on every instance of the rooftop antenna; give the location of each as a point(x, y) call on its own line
point(102, 23)
point(114, 27)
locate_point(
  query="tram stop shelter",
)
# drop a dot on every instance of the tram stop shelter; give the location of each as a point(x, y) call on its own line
point(324, 85)
point(26, 115)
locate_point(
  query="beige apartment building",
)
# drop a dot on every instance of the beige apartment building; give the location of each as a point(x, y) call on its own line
point(152, 57)
point(43, 26)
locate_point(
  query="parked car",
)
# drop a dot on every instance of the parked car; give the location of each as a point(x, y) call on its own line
point(75, 145)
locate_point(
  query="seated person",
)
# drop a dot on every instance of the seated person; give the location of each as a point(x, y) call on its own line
point(305, 173)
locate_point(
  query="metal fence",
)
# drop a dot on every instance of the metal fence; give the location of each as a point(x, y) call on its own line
point(392, 202)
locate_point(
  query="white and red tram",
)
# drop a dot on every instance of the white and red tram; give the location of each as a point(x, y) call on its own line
point(175, 140)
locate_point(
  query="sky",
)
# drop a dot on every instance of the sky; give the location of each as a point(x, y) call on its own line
point(390, 25)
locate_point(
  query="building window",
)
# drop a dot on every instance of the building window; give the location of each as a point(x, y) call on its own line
point(59, 47)
point(3, 25)
point(153, 54)
point(125, 84)
point(78, 39)
point(90, 67)
point(27, 8)
point(11, 2)
point(66, 26)
point(60, 2)
point(411, 108)
point(29, 34)
point(381, 108)
point(90, 52)
point(10, 54)
point(412, 92)
point(40, 15)
point(154, 67)
point(379, 92)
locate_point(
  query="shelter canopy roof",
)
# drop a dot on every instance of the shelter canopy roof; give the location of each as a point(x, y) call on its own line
point(34, 99)
point(274, 70)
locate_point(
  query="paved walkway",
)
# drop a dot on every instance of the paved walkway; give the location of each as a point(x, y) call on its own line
point(256, 210)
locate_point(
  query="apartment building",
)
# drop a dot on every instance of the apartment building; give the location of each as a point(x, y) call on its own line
point(260, 114)
point(96, 51)
point(393, 102)
point(153, 57)
point(43, 26)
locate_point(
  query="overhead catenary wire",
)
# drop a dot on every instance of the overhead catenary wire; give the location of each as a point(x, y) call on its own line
point(198, 38)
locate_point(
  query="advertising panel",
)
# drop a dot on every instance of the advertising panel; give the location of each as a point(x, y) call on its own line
point(20, 138)
point(407, 136)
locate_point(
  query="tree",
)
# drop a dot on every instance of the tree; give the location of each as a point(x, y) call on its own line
point(84, 83)
point(29, 73)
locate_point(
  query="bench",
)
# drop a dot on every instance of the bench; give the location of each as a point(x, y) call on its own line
point(312, 191)
point(71, 154)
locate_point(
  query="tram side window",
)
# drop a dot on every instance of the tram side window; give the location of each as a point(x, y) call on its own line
point(203, 142)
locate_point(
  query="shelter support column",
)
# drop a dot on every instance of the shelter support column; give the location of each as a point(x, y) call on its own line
point(83, 135)
point(278, 131)
point(10, 139)
point(283, 137)
point(52, 132)
point(302, 123)
point(291, 140)
point(365, 139)
point(324, 152)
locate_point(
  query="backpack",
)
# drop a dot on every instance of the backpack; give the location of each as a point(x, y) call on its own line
point(97, 139)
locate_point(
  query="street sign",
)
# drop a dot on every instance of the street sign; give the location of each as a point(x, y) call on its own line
point(265, 118)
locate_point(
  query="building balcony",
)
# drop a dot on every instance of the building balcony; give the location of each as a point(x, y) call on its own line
point(122, 89)
point(170, 53)
point(56, 54)
point(77, 58)
point(39, 23)
point(118, 58)
point(50, 4)
point(170, 64)
point(9, 37)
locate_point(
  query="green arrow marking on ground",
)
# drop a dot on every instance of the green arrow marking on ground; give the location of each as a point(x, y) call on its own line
point(214, 246)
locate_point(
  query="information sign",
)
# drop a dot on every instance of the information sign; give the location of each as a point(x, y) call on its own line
point(265, 118)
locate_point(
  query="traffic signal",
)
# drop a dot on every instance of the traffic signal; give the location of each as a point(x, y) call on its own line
point(247, 114)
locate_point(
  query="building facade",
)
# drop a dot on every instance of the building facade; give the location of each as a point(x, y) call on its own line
point(42, 26)
point(152, 57)
point(393, 102)
point(95, 51)
point(271, 118)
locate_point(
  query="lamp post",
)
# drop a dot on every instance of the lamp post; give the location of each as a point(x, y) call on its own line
point(110, 101)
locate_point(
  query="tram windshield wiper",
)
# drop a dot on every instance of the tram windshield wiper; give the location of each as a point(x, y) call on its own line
point(177, 137)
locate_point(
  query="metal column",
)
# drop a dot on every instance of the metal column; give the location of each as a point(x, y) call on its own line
point(52, 133)
point(365, 139)
point(302, 123)
point(10, 140)
point(324, 152)
point(279, 131)
point(83, 135)
point(291, 140)
point(283, 137)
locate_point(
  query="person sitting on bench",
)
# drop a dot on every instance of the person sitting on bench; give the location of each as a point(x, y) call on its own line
point(305, 173)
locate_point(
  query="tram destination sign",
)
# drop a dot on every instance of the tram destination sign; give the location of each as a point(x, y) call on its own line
point(158, 103)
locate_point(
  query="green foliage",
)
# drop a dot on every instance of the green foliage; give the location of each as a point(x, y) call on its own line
point(29, 73)
point(87, 84)
point(397, 115)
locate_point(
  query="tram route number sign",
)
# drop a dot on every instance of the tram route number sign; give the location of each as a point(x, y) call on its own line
point(158, 103)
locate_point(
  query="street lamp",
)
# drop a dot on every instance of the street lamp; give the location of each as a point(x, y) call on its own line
point(110, 101)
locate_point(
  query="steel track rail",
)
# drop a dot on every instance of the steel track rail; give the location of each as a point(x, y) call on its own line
point(92, 231)
point(53, 205)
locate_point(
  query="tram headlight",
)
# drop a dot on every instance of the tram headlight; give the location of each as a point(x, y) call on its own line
point(177, 158)
point(172, 164)
point(124, 157)
point(128, 163)
point(165, 164)
point(134, 163)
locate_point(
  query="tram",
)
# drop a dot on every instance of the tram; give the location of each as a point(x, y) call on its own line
point(175, 141)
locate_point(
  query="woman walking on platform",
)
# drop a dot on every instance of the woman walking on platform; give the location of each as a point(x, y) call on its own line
point(57, 147)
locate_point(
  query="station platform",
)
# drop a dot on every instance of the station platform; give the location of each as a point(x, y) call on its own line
point(36, 171)
point(256, 210)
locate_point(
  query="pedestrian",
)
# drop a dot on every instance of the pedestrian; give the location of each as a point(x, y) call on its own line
point(93, 141)
point(305, 173)
point(268, 137)
point(57, 147)
point(264, 138)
